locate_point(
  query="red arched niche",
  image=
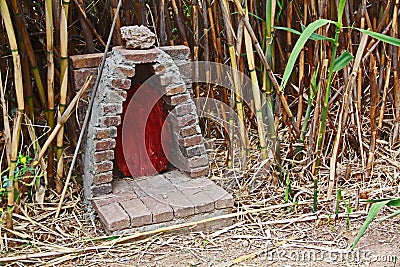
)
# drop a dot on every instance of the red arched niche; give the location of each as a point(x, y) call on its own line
point(134, 157)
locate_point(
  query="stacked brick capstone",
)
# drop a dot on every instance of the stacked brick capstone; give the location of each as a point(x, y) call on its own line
point(172, 68)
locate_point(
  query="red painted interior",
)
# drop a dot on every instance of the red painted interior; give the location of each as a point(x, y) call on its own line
point(133, 158)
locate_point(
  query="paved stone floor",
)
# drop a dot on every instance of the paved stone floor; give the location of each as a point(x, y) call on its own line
point(156, 200)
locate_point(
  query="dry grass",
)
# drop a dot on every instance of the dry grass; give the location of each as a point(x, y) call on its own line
point(77, 237)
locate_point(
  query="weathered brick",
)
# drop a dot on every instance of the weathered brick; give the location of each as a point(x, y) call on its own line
point(201, 201)
point(221, 198)
point(177, 51)
point(191, 140)
point(103, 166)
point(112, 198)
point(186, 120)
point(103, 133)
point(101, 189)
point(86, 61)
point(193, 151)
point(104, 144)
point(199, 161)
point(128, 71)
point(180, 204)
point(110, 120)
point(121, 83)
point(102, 178)
point(138, 56)
point(185, 70)
point(137, 211)
point(114, 217)
point(174, 89)
point(159, 68)
point(198, 172)
point(81, 75)
point(137, 189)
point(170, 78)
point(116, 96)
point(190, 130)
point(112, 108)
point(176, 99)
point(161, 211)
point(183, 109)
point(121, 185)
point(103, 155)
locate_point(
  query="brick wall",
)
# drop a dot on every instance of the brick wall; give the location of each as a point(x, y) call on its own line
point(172, 75)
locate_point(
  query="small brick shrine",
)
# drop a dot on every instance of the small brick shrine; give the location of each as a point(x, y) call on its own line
point(156, 200)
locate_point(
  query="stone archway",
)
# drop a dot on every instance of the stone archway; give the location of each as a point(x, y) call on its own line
point(177, 196)
point(120, 67)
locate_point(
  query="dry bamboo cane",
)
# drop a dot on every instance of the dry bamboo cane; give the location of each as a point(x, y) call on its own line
point(50, 83)
point(179, 22)
point(12, 183)
point(7, 129)
point(268, 69)
point(343, 117)
point(301, 73)
point(88, 22)
point(385, 91)
point(63, 91)
point(236, 83)
point(396, 84)
point(29, 50)
point(372, 110)
point(256, 94)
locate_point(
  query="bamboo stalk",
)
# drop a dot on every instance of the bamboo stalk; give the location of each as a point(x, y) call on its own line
point(256, 94)
point(343, 111)
point(236, 83)
point(12, 183)
point(63, 92)
point(372, 110)
point(22, 30)
point(50, 83)
point(179, 22)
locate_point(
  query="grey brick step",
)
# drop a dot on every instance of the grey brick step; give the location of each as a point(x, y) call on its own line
point(159, 200)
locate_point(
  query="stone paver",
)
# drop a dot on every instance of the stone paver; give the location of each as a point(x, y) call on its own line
point(138, 212)
point(114, 217)
point(156, 185)
point(160, 199)
point(121, 185)
point(113, 198)
point(201, 201)
point(162, 212)
point(180, 204)
point(176, 177)
point(222, 199)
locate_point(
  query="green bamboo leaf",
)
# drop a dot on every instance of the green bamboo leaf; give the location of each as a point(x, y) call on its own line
point(381, 37)
point(342, 4)
point(394, 203)
point(308, 31)
point(343, 60)
point(373, 211)
point(314, 36)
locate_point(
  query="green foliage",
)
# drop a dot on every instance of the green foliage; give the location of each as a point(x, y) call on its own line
point(373, 212)
point(343, 60)
point(305, 35)
point(288, 191)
